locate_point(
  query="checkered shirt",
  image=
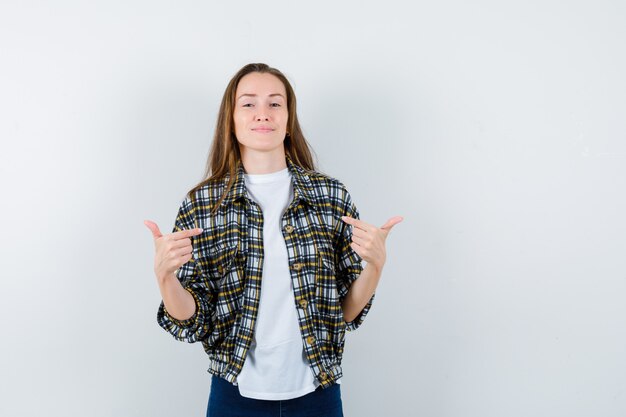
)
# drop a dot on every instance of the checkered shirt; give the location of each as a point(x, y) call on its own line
point(224, 274)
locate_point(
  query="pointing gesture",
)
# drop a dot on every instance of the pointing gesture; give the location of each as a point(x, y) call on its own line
point(172, 250)
point(368, 241)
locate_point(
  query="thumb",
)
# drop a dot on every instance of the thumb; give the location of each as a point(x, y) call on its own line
point(392, 222)
point(156, 233)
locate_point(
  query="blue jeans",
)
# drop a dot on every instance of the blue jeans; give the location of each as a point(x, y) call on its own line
point(225, 401)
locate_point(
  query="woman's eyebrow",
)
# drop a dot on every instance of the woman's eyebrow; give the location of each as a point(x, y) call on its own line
point(255, 95)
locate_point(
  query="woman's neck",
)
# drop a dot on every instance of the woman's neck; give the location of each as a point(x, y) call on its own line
point(255, 162)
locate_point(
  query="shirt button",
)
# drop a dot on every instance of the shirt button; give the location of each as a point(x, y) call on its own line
point(310, 340)
point(303, 303)
point(297, 266)
point(289, 228)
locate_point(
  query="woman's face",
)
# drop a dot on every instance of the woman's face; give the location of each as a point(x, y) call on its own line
point(260, 114)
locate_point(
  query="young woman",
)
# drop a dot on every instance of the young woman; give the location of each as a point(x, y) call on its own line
point(263, 265)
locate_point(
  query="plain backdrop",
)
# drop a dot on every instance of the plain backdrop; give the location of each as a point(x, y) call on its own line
point(496, 128)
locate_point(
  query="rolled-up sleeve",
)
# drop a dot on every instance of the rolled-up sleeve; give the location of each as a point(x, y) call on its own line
point(194, 281)
point(349, 263)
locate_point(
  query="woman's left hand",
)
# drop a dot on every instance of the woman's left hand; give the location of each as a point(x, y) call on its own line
point(368, 241)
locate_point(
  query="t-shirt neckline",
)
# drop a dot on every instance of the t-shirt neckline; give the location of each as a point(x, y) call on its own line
point(266, 178)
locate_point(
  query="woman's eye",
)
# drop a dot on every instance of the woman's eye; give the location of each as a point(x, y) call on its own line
point(250, 105)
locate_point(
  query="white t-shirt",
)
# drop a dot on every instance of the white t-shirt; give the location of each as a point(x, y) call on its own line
point(276, 367)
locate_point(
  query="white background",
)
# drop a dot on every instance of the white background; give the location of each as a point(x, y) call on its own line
point(497, 129)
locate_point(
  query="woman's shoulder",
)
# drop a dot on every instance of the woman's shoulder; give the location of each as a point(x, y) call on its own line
point(316, 177)
point(323, 179)
point(331, 191)
point(207, 193)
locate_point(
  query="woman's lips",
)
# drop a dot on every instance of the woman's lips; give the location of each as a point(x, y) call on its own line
point(263, 130)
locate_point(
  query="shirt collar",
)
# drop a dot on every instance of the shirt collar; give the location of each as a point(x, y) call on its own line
point(302, 187)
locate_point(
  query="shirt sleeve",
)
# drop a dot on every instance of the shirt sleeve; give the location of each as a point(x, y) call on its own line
point(194, 281)
point(349, 263)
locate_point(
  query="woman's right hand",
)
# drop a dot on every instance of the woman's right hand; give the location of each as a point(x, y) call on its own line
point(171, 250)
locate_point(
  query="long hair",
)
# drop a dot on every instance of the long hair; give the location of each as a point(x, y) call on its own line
point(224, 155)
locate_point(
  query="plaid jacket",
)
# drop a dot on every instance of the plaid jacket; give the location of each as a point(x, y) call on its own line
point(225, 272)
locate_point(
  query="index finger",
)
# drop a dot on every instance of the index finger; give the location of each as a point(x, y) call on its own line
point(356, 222)
point(187, 233)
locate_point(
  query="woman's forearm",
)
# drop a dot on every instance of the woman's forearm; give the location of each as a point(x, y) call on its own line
point(360, 292)
point(179, 303)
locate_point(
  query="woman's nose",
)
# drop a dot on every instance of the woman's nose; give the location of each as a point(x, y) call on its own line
point(262, 117)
